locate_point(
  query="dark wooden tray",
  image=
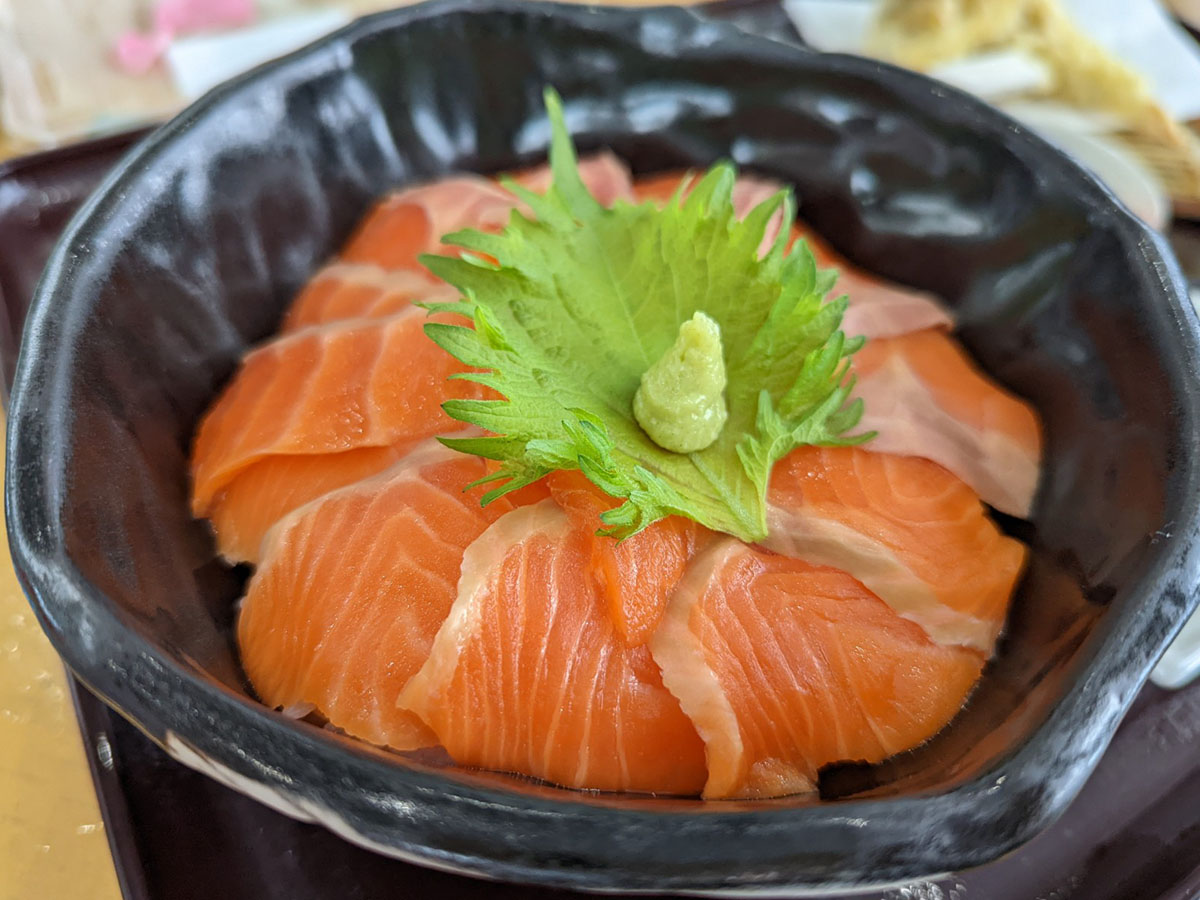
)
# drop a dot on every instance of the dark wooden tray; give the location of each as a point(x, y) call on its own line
point(1133, 833)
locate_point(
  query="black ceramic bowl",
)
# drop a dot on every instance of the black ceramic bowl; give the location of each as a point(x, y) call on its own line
point(190, 251)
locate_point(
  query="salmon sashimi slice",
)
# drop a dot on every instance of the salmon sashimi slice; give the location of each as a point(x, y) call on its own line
point(877, 308)
point(352, 589)
point(529, 675)
point(412, 221)
point(244, 511)
point(379, 275)
point(911, 532)
point(784, 667)
point(331, 395)
point(635, 577)
point(362, 291)
point(925, 397)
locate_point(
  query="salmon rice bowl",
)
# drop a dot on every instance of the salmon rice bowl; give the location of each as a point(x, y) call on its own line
point(620, 484)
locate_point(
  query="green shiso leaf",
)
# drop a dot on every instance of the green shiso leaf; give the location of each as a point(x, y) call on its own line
point(583, 299)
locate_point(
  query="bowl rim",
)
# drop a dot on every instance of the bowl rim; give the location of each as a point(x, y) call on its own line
point(392, 808)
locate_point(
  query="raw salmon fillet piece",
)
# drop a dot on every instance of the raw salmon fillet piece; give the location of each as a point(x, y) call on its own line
point(412, 221)
point(877, 308)
point(313, 411)
point(925, 396)
point(362, 291)
point(256, 498)
point(784, 667)
point(379, 273)
point(352, 589)
point(911, 532)
point(636, 576)
point(529, 675)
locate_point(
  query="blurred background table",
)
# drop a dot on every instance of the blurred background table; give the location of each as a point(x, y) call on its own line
point(72, 69)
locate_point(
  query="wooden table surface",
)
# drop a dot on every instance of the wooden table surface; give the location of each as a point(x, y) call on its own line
point(52, 840)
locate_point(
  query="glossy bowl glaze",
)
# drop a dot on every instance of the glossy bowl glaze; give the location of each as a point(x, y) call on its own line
point(190, 251)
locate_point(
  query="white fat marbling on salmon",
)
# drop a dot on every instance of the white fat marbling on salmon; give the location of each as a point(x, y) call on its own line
point(479, 573)
point(367, 421)
point(408, 281)
point(784, 667)
point(352, 589)
point(824, 542)
point(457, 202)
point(528, 673)
point(343, 290)
point(910, 422)
point(429, 452)
point(881, 309)
point(681, 656)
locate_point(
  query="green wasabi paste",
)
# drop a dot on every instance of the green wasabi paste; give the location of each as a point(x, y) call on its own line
point(681, 401)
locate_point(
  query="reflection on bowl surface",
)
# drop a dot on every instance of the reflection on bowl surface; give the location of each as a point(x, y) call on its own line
point(191, 251)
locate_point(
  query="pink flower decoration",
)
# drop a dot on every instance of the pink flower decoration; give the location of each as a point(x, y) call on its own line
point(137, 53)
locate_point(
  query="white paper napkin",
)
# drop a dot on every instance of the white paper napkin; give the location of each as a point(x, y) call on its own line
point(201, 62)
